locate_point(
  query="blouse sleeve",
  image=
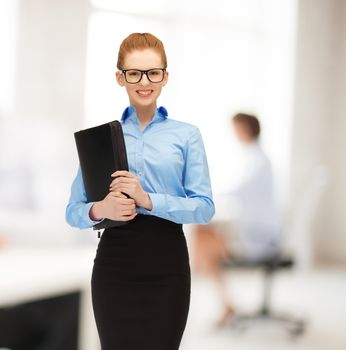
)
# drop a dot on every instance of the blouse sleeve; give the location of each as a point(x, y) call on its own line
point(197, 206)
point(77, 209)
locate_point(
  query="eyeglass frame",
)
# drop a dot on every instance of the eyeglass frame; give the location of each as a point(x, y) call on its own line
point(145, 72)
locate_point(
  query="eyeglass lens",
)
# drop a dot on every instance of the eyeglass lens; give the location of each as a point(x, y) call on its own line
point(134, 76)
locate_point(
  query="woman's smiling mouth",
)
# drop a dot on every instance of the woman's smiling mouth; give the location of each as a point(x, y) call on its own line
point(144, 93)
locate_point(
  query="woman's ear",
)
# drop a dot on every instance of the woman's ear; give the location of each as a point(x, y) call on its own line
point(119, 78)
point(165, 79)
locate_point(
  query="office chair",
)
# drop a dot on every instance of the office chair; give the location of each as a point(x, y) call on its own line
point(317, 180)
point(270, 267)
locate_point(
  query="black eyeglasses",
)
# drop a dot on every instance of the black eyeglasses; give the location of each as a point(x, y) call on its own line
point(134, 76)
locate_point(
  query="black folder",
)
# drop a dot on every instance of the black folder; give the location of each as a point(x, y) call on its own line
point(101, 152)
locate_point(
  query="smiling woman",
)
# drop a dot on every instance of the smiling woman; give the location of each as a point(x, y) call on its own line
point(141, 275)
point(139, 74)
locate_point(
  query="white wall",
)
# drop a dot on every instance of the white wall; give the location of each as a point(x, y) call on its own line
point(51, 59)
point(8, 56)
point(46, 81)
point(320, 121)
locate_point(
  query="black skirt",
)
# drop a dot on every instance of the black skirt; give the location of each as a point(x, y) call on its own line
point(141, 285)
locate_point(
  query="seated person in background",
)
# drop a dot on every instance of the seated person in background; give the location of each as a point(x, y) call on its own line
point(252, 230)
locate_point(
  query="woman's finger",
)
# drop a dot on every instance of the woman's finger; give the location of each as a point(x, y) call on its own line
point(127, 212)
point(127, 217)
point(118, 194)
point(122, 173)
point(130, 205)
point(126, 201)
point(122, 179)
point(123, 200)
point(123, 188)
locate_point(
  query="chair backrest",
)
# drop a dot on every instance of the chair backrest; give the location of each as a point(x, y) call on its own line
point(299, 233)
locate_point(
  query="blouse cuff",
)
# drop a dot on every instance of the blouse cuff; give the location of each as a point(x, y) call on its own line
point(86, 215)
point(159, 203)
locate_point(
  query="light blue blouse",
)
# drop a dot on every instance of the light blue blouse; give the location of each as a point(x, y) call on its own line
point(169, 159)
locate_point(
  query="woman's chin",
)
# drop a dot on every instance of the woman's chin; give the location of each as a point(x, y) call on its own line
point(144, 102)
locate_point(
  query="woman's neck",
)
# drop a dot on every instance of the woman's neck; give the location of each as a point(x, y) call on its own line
point(145, 114)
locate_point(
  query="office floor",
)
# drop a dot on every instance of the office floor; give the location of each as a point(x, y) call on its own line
point(318, 296)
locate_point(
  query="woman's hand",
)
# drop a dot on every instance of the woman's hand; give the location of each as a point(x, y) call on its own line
point(115, 206)
point(128, 183)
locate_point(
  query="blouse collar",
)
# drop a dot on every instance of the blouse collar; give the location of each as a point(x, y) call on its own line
point(130, 113)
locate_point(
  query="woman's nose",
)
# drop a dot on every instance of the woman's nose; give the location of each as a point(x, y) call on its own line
point(145, 81)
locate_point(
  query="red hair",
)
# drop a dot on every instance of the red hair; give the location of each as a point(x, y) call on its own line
point(140, 41)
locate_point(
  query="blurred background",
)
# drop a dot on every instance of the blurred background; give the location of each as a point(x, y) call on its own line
point(283, 61)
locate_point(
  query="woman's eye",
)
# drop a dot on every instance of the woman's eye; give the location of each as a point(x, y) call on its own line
point(154, 72)
point(133, 73)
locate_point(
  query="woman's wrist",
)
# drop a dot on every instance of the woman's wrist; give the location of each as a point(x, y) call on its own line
point(96, 211)
point(145, 201)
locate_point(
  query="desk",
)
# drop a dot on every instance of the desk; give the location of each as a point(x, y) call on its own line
point(29, 273)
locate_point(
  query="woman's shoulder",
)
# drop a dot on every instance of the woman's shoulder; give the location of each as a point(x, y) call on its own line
point(185, 127)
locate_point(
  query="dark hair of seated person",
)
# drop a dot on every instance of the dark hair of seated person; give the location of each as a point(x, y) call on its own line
point(250, 122)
